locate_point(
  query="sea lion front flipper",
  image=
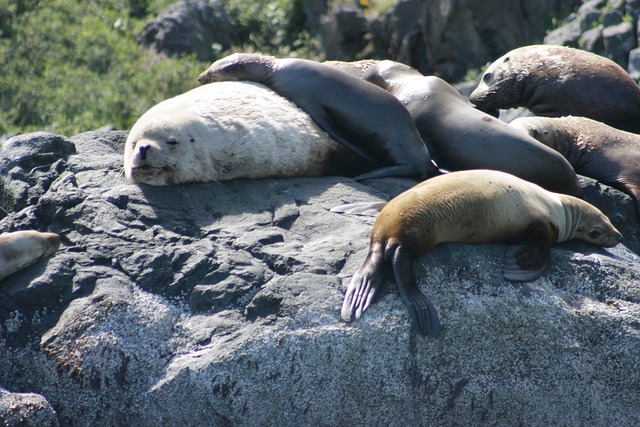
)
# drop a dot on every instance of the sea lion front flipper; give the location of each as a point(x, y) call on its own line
point(363, 208)
point(364, 284)
point(527, 259)
point(422, 312)
point(328, 123)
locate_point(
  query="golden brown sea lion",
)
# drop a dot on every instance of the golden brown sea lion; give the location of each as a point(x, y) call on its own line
point(472, 206)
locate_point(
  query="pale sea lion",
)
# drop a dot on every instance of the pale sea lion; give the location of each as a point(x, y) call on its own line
point(596, 150)
point(231, 130)
point(465, 138)
point(361, 116)
point(556, 81)
point(20, 249)
point(473, 206)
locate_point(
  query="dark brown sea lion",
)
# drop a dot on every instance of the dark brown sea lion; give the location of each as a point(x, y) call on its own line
point(359, 115)
point(556, 81)
point(473, 207)
point(596, 150)
point(465, 138)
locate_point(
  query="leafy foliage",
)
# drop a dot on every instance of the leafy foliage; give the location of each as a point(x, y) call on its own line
point(69, 66)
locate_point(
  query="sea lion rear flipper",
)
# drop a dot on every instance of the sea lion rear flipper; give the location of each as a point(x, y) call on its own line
point(364, 208)
point(364, 284)
point(527, 259)
point(422, 312)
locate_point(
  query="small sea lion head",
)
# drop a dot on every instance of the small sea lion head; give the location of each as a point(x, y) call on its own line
point(590, 224)
point(239, 66)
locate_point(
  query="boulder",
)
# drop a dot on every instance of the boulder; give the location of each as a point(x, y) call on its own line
point(218, 304)
point(192, 26)
point(448, 37)
point(607, 28)
point(26, 409)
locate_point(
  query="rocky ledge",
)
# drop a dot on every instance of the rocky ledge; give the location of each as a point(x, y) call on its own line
point(218, 304)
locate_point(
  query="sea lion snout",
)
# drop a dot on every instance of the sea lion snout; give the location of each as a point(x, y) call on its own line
point(203, 79)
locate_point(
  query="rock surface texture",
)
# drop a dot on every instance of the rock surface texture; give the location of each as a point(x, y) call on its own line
point(218, 304)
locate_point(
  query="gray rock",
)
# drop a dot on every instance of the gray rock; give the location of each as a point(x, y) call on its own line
point(634, 64)
point(343, 33)
point(26, 409)
point(618, 42)
point(218, 304)
point(192, 26)
point(592, 41)
point(568, 34)
point(448, 37)
point(313, 11)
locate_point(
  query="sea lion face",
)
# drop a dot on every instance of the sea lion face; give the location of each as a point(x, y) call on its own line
point(20, 249)
point(496, 88)
point(168, 150)
point(239, 66)
point(590, 224)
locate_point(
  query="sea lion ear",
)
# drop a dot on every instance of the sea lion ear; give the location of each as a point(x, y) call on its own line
point(527, 259)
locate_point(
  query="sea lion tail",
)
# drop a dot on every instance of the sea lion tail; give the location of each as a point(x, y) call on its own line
point(364, 284)
point(422, 312)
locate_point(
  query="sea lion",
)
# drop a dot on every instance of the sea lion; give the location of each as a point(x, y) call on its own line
point(473, 206)
point(465, 138)
point(556, 81)
point(596, 150)
point(361, 116)
point(231, 130)
point(20, 249)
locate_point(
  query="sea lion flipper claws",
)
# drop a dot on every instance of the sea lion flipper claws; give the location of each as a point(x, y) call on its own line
point(421, 310)
point(528, 258)
point(364, 284)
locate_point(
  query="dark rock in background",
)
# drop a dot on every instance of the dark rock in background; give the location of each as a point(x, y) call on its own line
point(191, 26)
point(444, 37)
point(218, 304)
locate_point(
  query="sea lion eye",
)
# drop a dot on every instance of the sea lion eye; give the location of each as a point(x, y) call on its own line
point(172, 142)
point(595, 233)
point(487, 76)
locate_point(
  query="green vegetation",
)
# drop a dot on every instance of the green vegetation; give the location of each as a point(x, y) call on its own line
point(69, 66)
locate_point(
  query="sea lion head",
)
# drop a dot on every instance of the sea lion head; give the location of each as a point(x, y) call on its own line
point(168, 150)
point(587, 223)
point(498, 88)
point(239, 66)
